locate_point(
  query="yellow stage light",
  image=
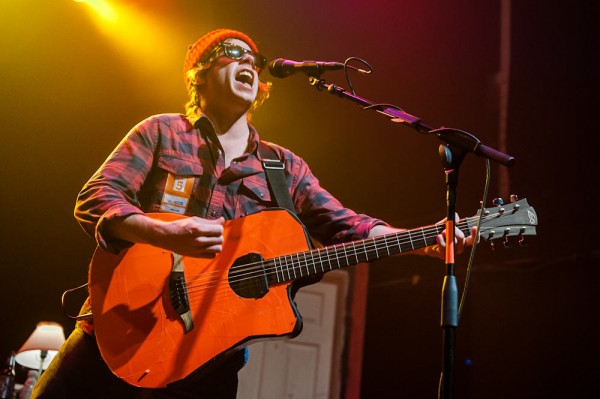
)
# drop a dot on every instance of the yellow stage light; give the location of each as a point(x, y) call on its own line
point(145, 39)
point(102, 8)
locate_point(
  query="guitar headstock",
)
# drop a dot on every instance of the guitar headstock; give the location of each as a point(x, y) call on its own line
point(517, 218)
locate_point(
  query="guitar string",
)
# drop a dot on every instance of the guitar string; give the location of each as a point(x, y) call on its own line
point(258, 269)
point(331, 253)
point(304, 264)
point(252, 270)
point(392, 237)
point(300, 265)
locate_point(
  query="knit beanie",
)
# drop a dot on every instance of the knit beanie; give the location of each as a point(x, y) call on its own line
point(208, 42)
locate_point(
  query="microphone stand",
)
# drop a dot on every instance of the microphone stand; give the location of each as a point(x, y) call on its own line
point(456, 145)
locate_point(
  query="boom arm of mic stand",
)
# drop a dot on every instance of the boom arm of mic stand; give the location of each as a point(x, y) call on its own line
point(453, 137)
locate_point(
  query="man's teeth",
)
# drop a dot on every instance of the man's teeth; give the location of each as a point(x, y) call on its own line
point(245, 77)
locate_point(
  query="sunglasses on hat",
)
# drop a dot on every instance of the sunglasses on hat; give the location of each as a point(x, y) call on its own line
point(235, 52)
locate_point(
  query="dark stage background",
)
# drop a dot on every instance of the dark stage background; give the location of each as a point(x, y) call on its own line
point(72, 87)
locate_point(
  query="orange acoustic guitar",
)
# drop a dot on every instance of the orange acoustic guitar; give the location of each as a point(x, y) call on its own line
point(160, 316)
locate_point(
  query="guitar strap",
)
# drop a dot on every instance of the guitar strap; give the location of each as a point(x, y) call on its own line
point(274, 167)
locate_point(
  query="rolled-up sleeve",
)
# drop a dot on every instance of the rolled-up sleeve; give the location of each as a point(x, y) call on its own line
point(112, 192)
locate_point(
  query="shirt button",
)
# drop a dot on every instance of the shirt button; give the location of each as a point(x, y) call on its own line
point(261, 195)
point(213, 213)
point(219, 151)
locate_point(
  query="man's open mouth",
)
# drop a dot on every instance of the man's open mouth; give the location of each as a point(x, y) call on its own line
point(245, 77)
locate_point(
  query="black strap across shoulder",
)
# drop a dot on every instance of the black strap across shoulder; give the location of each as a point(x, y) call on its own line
point(274, 167)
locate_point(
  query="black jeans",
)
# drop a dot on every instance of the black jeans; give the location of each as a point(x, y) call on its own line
point(78, 371)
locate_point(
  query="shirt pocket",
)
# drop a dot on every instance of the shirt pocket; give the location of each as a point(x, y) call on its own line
point(256, 187)
point(253, 195)
point(179, 165)
point(174, 168)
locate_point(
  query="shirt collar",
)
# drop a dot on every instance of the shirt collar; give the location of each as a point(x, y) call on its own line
point(206, 128)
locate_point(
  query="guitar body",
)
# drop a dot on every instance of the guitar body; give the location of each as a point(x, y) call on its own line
point(140, 335)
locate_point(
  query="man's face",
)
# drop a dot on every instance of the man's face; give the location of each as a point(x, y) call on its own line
point(231, 83)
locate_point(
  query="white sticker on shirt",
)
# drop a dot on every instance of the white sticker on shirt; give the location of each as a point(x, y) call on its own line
point(175, 200)
point(177, 194)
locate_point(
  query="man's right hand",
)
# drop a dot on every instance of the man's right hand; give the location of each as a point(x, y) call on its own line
point(192, 236)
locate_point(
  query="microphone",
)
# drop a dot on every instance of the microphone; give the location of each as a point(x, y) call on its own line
point(282, 68)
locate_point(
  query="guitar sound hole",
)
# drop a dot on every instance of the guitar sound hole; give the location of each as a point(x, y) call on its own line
point(247, 276)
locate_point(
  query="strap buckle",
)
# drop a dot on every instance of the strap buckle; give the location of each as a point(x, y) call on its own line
point(274, 164)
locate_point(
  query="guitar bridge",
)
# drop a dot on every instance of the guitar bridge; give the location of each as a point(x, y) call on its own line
point(178, 293)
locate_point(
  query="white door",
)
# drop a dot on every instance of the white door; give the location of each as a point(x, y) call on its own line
point(308, 366)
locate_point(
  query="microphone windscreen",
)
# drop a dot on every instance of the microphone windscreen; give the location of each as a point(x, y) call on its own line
point(277, 68)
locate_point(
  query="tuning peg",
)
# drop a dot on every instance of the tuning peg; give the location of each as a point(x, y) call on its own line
point(522, 241)
point(514, 198)
point(493, 245)
point(506, 242)
point(498, 201)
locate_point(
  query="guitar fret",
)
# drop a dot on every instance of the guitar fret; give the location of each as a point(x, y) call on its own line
point(307, 268)
point(306, 264)
point(299, 264)
point(294, 266)
point(398, 242)
point(312, 256)
point(320, 260)
point(329, 260)
point(355, 253)
point(337, 258)
point(276, 272)
point(345, 255)
point(386, 246)
point(281, 267)
point(288, 267)
point(424, 238)
point(365, 249)
point(412, 244)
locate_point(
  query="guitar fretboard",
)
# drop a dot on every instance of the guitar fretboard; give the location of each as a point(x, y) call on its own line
point(322, 260)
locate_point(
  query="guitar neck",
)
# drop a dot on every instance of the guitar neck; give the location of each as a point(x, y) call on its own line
point(322, 260)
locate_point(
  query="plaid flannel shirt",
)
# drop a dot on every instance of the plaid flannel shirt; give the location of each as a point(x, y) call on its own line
point(133, 178)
